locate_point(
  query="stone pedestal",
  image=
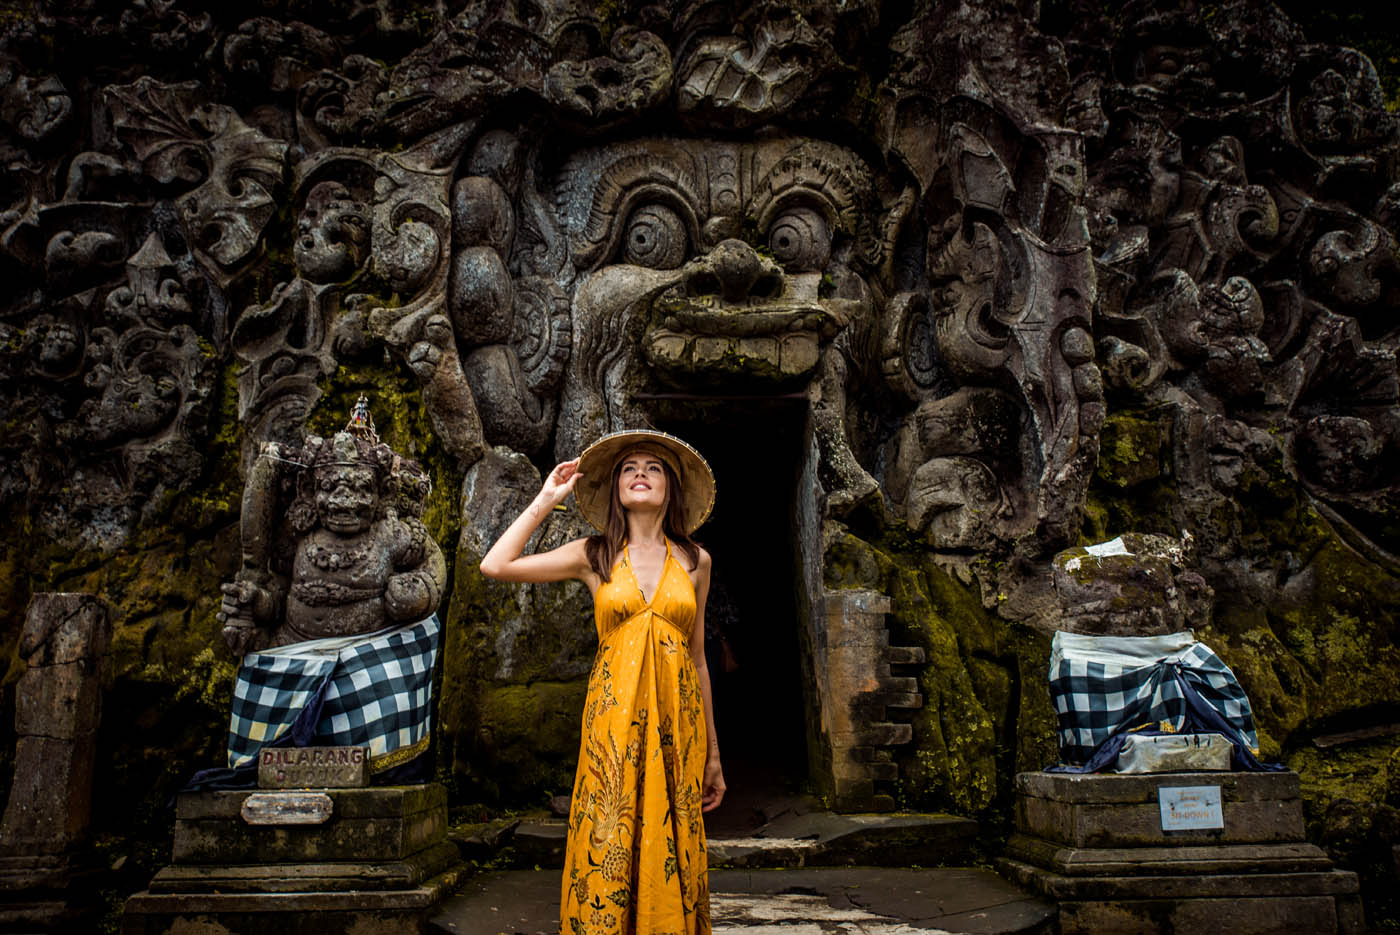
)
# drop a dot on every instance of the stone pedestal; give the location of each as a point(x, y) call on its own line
point(381, 862)
point(47, 878)
point(1095, 844)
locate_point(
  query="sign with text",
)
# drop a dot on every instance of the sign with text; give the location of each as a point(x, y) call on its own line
point(287, 808)
point(1191, 808)
point(313, 768)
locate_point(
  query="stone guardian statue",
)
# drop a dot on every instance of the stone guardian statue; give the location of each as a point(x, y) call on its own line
point(334, 610)
point(348, 556)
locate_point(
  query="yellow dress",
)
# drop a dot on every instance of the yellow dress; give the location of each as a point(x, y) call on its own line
point(635, 860)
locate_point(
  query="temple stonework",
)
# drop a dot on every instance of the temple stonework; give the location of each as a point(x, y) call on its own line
point(942, 289)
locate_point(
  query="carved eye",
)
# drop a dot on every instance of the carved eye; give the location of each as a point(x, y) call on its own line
point(655, 237)
point(800, 240)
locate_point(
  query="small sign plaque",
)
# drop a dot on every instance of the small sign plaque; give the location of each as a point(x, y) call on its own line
point(287, 808)
point(313, 768)
point(1191, 808)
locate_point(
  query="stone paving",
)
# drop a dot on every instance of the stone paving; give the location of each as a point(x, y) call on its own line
point(797, 901)
point(780, 865)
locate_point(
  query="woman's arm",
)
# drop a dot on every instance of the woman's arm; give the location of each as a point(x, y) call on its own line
point(713, 786)
point(503, 560)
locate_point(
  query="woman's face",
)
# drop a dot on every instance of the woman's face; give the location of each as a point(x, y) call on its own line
point(641, 482)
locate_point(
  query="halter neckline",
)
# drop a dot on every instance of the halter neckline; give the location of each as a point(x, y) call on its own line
point(632, 569)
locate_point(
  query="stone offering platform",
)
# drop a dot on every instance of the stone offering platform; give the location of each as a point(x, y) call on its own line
point(1095, 844)
point(379, 862)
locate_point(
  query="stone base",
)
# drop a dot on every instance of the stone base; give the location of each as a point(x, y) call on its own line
point(330, 876)
point(1094, 844)
point(1241, 903)
point(380, 863)
point(29, 915)
point(40, 872)
point(385, 823)
point(45, 893)
point(386, 912)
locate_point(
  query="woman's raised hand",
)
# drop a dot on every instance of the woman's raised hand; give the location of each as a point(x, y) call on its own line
point(504, 562)
point(560, 483)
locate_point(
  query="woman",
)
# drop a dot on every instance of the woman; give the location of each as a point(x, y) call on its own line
point(649, 759)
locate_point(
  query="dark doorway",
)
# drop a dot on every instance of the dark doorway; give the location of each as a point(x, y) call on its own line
point(752, 641)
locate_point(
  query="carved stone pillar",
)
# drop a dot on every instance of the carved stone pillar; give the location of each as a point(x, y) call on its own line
point(57, 706)
point(857, 689)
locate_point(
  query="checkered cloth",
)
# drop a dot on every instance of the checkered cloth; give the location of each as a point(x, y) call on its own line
point(372, 691)
point(1106, 685)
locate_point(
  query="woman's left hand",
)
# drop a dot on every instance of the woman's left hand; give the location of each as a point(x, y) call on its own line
point(714, 785)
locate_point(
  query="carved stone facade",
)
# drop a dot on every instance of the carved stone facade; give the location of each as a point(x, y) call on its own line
point(1022, 283)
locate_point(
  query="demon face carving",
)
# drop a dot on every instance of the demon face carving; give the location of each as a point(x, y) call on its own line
point(706, 263)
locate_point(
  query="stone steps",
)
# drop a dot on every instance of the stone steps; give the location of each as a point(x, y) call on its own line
point(828, 839)
point(801, 901)
point(793, 838)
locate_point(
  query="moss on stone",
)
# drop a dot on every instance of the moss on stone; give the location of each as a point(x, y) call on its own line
point(1351, 804)
point(986, 711)
point(483, 754)
point(1130, 449)
point(403, 423)
point(532, 731)
point(1309, 626)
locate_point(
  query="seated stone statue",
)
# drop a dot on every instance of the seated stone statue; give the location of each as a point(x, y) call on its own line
point(333, 610)
point(352, 556)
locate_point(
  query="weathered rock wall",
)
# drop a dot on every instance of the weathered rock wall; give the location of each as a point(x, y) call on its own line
point(1039, 279)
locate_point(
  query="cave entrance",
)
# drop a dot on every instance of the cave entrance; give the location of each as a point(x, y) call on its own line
point(755, 447)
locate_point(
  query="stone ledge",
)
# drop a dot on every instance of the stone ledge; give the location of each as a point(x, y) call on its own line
point(1179, 887)
point(1108, 788)
point(1134, 825)
point(375, 802)
point(1276, 915)
point(391, 912)
point(1128, 861)
point(855, 601)
point(32, 866)
point(323, 877)
point(540, 843)
point(37, 915)
point(827, 839)
point(905, 655)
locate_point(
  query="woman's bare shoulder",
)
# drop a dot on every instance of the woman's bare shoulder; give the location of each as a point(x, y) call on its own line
point(577, 551)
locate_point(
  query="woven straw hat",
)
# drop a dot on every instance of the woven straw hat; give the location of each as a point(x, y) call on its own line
point(594, 489)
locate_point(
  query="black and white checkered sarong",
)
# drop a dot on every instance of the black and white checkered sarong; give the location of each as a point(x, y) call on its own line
point(1104, 685)
point(373, 691)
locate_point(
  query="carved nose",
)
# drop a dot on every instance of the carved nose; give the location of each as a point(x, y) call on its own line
point(735, 269)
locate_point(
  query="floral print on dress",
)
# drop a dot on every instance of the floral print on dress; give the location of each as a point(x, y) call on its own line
point(635, 859)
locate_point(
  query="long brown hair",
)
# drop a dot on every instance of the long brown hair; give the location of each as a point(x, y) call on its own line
point(604, 548)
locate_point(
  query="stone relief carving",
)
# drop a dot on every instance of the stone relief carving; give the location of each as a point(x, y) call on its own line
point(223, 168)
point(1240, 287)
point(115, 394)
point(1105, 228)
point(979, 257)
point(670, 295)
